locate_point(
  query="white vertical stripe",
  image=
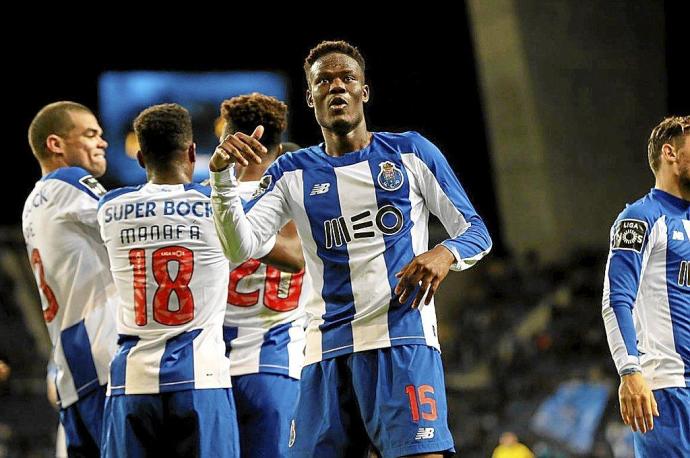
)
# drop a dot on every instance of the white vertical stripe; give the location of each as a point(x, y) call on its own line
point(662, 365)
point(295, 349)
point(246, 358)
point(99, 323)
point(209, 347)
point(368, 271)
point(419, 216)
point(686, 224)
point(142, 372)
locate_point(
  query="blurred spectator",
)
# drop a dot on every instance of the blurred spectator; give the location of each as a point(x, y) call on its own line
point(510, 447)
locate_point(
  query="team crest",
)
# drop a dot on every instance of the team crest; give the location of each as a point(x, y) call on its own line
point(264, 184)
point(390, 177)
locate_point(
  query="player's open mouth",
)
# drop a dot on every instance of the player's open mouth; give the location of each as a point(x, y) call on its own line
point(337, 103)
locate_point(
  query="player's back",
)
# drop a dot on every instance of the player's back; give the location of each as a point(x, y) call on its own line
point(73, 276)
point(171, 277)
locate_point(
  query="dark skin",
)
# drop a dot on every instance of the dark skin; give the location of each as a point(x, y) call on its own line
point(337, 93)
point(286, 255)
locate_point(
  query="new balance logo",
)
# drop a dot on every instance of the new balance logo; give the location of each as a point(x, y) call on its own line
point(320, 188)
point(678, 235)
point(424, 433)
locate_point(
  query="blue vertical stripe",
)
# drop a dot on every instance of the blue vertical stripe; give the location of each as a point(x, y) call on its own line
point(403, 321)
point(118, 367)
point(77, 350)
point(337, 289)
point(229, 334)
point(274, 350)
point(177, 362)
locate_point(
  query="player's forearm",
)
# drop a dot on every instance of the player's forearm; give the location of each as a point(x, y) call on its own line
point(621, 336)
point(235, 232)
point(471, 245)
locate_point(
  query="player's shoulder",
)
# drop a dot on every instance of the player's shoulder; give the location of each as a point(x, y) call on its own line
point(198, 188)
point(77, 178)
point(117, 193)
point(410, 142)
point(300, 159)
point(633, 225)
point(646, 209)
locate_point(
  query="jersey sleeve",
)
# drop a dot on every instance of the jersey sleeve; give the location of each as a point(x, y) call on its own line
point(445, 197)
point(81, 202)
point(631, 242)
point(247, 229)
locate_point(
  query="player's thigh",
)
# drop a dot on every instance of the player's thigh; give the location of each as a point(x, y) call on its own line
point(132, 425)
point(327, 422)
point(197, 419)
point(402, 396)
point(671, 434)
point(265, 405)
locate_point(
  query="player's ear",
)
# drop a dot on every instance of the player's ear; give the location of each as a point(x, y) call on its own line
point(191, 153)
point(365, 93)
point(140, 159)
point(310, 99)
point(54, 143)
point(669, 153)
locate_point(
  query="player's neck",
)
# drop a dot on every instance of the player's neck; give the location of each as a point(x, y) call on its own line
point(169, 177)
point(51, 166)
point(338, 144)
point(672, 185)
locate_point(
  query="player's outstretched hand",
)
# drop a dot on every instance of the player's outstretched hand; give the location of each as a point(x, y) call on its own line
point(638, 406)
point(240, 148)
point(425, 271)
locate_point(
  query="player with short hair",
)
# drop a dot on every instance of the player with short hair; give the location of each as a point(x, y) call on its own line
point(71, 265)
point(361, 202)
point(264, 321)
point(169, 387)
point(646, 300)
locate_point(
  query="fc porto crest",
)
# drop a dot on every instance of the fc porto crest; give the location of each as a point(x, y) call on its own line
point(390, 177)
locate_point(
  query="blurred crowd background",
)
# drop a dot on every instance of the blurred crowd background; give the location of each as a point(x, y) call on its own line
point(542, 108)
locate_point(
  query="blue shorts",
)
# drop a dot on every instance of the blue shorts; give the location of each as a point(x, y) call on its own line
point(670, 437)
point(82, 423)
point(194, 423)
point(393, 398)
point(265, 406)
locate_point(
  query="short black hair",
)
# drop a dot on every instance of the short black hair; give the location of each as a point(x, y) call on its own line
point(244, 112)
point(329, 47)
point(163, 130)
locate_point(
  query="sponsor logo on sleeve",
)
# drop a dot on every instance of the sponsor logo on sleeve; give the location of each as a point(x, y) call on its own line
point(629, 234)
point(93, 185)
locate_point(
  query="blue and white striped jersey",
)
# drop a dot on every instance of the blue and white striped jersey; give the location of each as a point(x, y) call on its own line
point(361, 217)
point(646, 302)
point(264, 321)
point(73, 277)
point(172, 281)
